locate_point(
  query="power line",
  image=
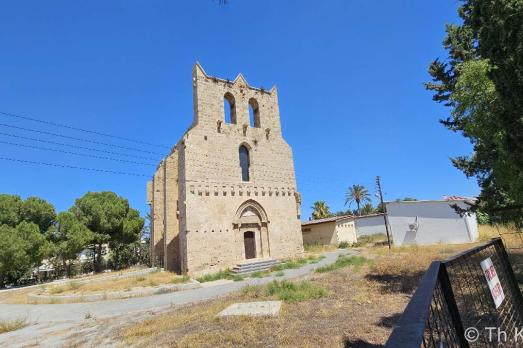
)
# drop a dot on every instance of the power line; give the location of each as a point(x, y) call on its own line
point(55, 124)
point(75, 153)
point(79, 139)
point(72, 167)
point(76, 146)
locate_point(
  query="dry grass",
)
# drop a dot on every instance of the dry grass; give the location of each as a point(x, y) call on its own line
point(77, 287)
point(108, 273)
point(344, 261)
point(12, 325)
point(512, 237)
point(358, 310)
point(124, 284)
point(345, 312)
point(16, 296)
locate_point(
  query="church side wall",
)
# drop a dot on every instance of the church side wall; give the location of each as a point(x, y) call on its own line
point(172, 226)
point(158, 210)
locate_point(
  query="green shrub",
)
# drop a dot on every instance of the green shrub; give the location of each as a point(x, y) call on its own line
point(344, 261)
point(279, 274)
point(254, 291)
point(295, 292)
point(379, 239)
point(343, 245)
point(259, 274)
point(482, 217)
point(225, 274)
point(293, 264)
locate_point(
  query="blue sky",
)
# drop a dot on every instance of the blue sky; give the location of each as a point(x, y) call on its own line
point(349, 74)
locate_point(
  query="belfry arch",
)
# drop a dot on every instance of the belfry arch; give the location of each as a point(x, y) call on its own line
point(251, 221)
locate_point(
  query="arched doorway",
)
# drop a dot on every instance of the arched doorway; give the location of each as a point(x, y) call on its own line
point(250, 227)
point(249, 242)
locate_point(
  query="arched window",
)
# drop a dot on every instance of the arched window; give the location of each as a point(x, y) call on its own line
point(254, 113)
point(229, 108)
point(244, 162)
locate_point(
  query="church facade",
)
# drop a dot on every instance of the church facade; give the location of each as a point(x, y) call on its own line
point(226, 194)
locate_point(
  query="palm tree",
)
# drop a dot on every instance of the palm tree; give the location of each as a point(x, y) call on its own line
point(367, 209)
point(358, 194)
point(320, 210)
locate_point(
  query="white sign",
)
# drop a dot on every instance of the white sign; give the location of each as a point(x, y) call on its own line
point(493, 281)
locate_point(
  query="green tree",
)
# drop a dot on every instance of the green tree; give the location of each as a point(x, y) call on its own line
point(343, 212)
point(38, 211)
point(14, 210)
point(110, 219)
point(482, 218)
point(367, 209)
point(320, 210)
point(358, 194)
point(125, 255)
point(10, 206)
point(482, 83)
point(69, 237)
point(409, 199)
point(22, 248)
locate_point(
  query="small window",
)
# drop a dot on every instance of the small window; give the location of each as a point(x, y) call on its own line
point(244, 162)
point(229, 108)
point(254, 113)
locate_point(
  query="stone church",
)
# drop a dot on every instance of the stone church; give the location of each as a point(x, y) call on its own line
point(226, 194)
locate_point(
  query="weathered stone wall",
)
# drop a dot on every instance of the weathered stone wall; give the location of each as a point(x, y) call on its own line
point(172, 223)
point(157, 214)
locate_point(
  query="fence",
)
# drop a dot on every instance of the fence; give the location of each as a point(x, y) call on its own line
point(454, 305)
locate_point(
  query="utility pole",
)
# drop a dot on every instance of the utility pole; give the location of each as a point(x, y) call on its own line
point(378, 185)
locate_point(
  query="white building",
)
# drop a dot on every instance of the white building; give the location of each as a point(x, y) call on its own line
point(431, 222)
point(368, 225)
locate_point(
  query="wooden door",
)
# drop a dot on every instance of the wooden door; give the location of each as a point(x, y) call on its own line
point(250, 245)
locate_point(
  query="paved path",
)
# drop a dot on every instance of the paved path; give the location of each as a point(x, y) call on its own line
point(54, 314)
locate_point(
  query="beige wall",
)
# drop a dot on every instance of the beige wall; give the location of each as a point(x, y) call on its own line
point(329, 232)
point(323, 233)
point(346, 231)
point(203, 175)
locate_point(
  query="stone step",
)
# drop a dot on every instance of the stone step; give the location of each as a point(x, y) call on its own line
point(246, 268)
point(256, 264)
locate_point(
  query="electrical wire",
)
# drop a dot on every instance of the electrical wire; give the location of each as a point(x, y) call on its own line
point(56, 124)
point(75, 146)
point(75, 153)
point(72, 167)
point(78, 139)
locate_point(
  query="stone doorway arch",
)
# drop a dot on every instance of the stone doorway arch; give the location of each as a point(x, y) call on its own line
point(250, 227)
